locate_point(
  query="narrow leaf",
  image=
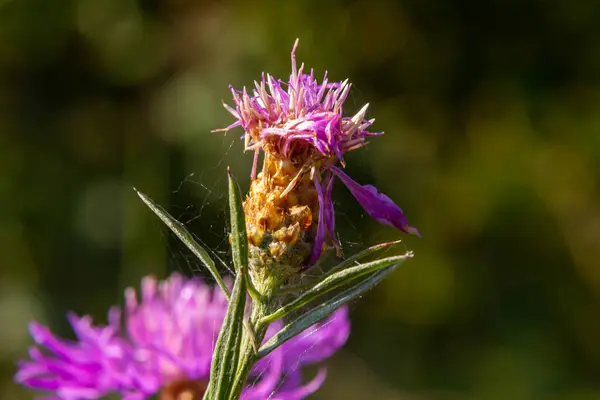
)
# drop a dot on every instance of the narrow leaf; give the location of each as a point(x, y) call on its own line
point(227, 349)
point(186, 237)
point(333, 281)
point(348, 262)
point(239, 240)
point(362, 254)
point(322, 311)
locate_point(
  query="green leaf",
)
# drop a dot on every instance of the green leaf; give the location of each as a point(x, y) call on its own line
point(239, 239)
point(227, 350)
point(323, 310)
point(348, 262)
point(343, 277)
point(186, 237)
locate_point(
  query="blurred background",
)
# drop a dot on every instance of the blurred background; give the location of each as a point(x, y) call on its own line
point(492, 147)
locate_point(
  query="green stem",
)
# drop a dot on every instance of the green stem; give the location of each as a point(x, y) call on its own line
point(248, 349)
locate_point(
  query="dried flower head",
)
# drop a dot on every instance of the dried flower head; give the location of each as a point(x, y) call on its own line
point(165, 347)
point(300, 127)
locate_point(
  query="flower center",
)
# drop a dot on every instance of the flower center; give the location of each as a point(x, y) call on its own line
point(280, 209)
point(183, 389)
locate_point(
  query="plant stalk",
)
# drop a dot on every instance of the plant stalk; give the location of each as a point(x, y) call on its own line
point(251, 341)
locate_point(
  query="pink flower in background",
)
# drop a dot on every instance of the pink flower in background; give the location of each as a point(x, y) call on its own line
point(164, 346)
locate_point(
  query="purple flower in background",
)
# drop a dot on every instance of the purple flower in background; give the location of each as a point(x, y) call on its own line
point(300, 126)
point(164, 346)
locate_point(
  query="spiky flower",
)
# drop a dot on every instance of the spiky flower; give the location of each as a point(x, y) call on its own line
point(300, 127)
point(165, 346)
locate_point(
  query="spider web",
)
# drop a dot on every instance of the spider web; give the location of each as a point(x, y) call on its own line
point(208, 222)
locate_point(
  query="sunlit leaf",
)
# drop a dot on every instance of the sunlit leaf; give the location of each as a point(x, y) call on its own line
point(226, 354)
point(186, 237)
point(343, 277)
point(313, 316)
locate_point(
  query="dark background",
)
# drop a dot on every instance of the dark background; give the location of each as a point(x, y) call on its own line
point(492, 117)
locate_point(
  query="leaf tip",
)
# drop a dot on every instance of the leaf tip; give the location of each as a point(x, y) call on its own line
point(141, 195)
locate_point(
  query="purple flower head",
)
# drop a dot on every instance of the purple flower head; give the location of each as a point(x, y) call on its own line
point(164, 347)
point(300, 123)
point(291, 118)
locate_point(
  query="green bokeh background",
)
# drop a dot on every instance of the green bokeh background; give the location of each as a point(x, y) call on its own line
point(492, 118)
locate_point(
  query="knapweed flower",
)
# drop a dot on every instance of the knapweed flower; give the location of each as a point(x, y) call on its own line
point(300, 127)
point(164, 346)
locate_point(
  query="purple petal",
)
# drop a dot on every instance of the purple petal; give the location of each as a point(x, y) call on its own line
point(269, 378)
point(294, 390)
point(313, 345)
point(318, 342)
point(261, 366)
point(376, 204)
point(301, 105)
point(330, 212)
point(169, 334)
point(320, 236)
point(73, 369)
